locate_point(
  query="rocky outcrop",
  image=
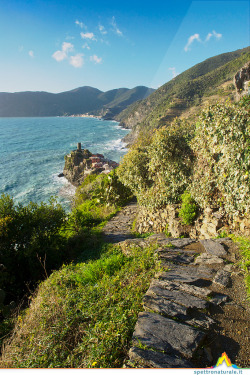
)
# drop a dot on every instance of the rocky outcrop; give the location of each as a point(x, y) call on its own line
point(80, 163)
point(242, 81)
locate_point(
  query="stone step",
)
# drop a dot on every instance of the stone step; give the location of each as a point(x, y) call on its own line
point(187, 274)
point(173, 310)
point(214, 248)
point(149, 359)
point(171, 291)
point(176, 256)
point(164, 334)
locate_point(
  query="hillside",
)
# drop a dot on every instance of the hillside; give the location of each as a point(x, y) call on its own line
point(185, 94)
point(81, 100)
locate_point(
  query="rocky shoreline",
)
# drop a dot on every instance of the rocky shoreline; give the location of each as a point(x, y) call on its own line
point(81, 162)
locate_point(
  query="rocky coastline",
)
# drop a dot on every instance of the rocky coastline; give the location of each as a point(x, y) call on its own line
point(81, 162)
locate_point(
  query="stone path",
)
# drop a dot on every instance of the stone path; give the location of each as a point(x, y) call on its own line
point(173, 329)
point(119, 227)
point(189, 305)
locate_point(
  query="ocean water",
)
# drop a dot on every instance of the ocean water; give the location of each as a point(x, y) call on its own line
point(32, 153)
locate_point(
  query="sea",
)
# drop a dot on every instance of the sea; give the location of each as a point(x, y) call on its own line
point(32, 154)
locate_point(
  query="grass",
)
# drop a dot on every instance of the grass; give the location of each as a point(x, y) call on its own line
point(84, 315)
point(244, 245)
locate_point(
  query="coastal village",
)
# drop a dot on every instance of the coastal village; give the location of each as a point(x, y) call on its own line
point(81, 162)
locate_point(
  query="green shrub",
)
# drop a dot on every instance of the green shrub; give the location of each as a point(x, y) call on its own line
point(159, 172)
point(111, 191)
point(31, 244)
point(222, 149)
point(189, 209)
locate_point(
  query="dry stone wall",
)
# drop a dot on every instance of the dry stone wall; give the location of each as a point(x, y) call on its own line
point(208, 224)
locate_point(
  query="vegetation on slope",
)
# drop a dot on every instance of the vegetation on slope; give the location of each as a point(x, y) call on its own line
point(184, 91)
point(84, 314)
point(212, 161)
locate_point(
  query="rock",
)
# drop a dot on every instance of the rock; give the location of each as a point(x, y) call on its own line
point(159, 237)
point(181, 242)
point(163, 334)
point(205, 258)
point(222, 278)
point(214, 248)
point(171, 291)
point(184, 274)
point(163, 306)
point(173, 310)
point(218, 299)
point(61, 175)
point(200, 320)
point(176, 256)
point(241, 80)
point(194, 290)
point(150, 359)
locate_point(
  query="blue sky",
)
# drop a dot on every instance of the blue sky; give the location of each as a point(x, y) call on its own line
point(58, 45)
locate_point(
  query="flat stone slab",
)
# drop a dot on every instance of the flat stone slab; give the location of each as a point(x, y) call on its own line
point(209, 259)
point(163, 306)
point(173, 310)
point(150, 359)
point(176, 255)
point(214, 248)
point(160, 333)
point(186, 274)
point(222, 278)
point(171, 291)
point(181, 242)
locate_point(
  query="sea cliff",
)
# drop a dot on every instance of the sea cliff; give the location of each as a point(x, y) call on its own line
point(81, 163)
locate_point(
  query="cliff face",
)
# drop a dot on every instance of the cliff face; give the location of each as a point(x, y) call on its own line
point(76, 165)
point(242, 81)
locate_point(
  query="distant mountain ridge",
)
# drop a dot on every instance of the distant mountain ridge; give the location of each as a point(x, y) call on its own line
point(81, 100)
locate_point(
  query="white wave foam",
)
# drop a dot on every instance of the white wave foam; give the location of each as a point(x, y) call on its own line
point(115, 145)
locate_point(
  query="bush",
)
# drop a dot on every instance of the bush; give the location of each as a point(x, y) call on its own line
point(160, 172)
point(222, 149)
point(189, 209)
point(112, 191)
point(30, 243)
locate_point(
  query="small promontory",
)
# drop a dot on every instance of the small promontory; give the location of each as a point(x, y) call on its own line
point(81, 162)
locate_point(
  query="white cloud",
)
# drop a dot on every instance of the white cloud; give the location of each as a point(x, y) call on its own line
point(102, 30)
point(115, 27)
point(174, 72)
point(62, 54)
point(85, 45)
point(194, 37)
point(209, 35)
point(66, 47)
point(59, 55)
point(81, 24)
point(96, 59)
point(191, 39)
point(31, 54)
point(217, 35)
point(87, 35)
point(77, 60)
